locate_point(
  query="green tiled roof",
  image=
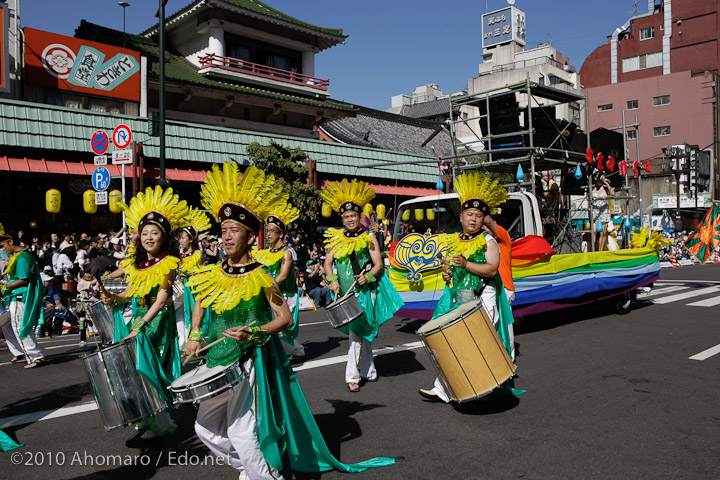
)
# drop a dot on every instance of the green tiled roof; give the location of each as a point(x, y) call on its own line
point(262, 9)
point(33, 125)
point(178, 69)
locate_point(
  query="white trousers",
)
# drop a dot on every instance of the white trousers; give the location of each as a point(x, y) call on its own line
point(296, 348)
point(28, 347)
point(226, 424)
point(360, 362)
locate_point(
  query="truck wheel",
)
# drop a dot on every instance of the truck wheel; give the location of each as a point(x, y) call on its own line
point(623, 303)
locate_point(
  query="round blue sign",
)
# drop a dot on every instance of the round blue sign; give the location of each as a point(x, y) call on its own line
point(101, 179)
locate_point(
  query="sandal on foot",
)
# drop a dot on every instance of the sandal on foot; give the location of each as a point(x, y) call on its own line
point(15, 359)
point(353, 387)
point(35, 363)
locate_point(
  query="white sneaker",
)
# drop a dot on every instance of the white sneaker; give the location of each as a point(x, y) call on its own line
point(243, 476)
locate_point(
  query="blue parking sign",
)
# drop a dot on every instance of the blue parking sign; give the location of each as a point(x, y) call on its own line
point(101, 179)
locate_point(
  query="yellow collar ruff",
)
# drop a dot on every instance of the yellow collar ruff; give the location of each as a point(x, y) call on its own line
point(142, 280)
point(11, 263)
point(339, 245)
point(191, 262)
point(457, 246)
point(267, 257)
point(223, 291)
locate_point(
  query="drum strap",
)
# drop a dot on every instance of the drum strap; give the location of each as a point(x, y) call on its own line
point(357, 270)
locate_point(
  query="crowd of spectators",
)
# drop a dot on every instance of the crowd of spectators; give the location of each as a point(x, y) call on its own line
point(677, 247)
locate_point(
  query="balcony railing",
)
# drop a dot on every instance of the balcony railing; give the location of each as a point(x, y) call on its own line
point(255, 69)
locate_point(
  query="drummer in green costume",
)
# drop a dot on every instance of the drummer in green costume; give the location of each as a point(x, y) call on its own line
point(359, 262)
point(150, 270)
point(472, 270)
point(279, 261)
point(190, 260)
point(264, 424)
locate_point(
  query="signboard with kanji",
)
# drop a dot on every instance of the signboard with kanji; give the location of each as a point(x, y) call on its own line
point(67, 63)
point(503, 26)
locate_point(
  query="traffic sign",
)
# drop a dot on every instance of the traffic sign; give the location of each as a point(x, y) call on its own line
point(101, 179)
point(122, 157)
point(99, 142)
point(101, 198)
point(100, 159)
point(122, 136)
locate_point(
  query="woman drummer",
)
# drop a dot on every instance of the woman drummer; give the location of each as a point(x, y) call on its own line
point(359, 262)
point(150, 270)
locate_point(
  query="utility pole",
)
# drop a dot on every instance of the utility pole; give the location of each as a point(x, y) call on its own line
point(163, 182)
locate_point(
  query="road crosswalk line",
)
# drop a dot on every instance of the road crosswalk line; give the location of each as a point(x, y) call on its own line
point(708, 302)
point(686, 294)
point(663, 291)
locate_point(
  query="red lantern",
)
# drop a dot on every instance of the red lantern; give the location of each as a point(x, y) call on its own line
point(600, 157)
point(636, 165)
point(646, 166)
point(610, 164)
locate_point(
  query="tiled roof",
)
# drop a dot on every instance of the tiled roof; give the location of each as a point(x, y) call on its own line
point(178, 69)
point(433, 109)
point(258, 8)
point(38, 126)
point(374, 128)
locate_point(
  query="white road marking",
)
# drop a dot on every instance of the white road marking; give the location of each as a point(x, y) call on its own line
point(669, 282)
point(326, 322)
point(687, 294)
point(343, 358)
point(704, 355)
point(708, 302)
point(662, 291)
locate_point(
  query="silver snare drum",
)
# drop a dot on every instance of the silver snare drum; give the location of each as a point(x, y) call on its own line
point(203, 382)
point(343, 311)
point(123, 395)
point(104, 320)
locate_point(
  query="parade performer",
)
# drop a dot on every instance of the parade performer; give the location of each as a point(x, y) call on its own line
point(190, 260)
point(22, 295)
point(266, 419)
point(150, 270)
point(279, 261)
point(472, 270)
point(358, 258)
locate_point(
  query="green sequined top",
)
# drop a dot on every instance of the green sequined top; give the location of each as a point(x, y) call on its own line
point(289, 286)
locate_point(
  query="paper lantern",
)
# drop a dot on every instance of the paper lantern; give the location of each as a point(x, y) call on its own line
point(326, 210)
point(89, 202)
point(380, 211)
point(367, 209)
point(429, 214)
point(406, 215)
point(419, 214)
point(52, 200)
point(115, 201)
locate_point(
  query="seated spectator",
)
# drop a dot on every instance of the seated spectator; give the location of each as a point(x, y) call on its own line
point(54, 311)
point(315, 284)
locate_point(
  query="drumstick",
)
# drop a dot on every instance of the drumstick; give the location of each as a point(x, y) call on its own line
point(206, 347)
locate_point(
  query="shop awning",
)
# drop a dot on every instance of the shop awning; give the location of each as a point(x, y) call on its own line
point(400, 190)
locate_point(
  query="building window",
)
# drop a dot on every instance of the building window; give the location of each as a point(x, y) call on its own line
point(632, 105)
point(575, 115)
point(647, 33)
point(605, 108)
point(640, 62)
point(82, 102)
point(661, 100)
point(631, 134)
point(661, 131)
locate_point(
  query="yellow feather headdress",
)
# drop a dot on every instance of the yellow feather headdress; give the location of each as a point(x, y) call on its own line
point(3, 235)
point(282, 216)
point(649, 238)
point(348, 195)
point(197, 221)
point(157, 207)
point(483, 193)
point(243, 200)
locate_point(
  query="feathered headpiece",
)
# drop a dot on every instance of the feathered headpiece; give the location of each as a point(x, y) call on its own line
point(649, 238)
point(4, 236)
point(198, 221)
point(351, 196)
point(482, 194)
point(245, 200)
point(157, 207)
point(282, 216)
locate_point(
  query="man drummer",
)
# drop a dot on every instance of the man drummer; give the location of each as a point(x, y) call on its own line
point(24, 293)
point(358, 258)
point(264, 421)
point(472, 271)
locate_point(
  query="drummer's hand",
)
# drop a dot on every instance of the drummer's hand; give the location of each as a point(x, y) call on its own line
point(132, 334)
point(446, 276)
point(335, 287)
point(361, 279)
point(191, 348)
point(459, 261)
point(107, 298)
point(237, 333)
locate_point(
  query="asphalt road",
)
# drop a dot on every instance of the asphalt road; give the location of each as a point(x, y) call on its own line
point(608, 396)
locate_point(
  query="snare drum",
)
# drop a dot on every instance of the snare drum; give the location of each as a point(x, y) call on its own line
point(115, 286)
point(467, 352)
point(203, 383)
point(343, 311)
point(103, 320)
point(122, 394)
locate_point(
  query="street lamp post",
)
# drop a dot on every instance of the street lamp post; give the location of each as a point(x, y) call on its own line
point(124, 5)
point(716, 143)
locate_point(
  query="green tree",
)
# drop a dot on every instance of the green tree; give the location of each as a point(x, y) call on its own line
point(289, 167)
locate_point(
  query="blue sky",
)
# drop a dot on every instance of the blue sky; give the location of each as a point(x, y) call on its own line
point(393, 46)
